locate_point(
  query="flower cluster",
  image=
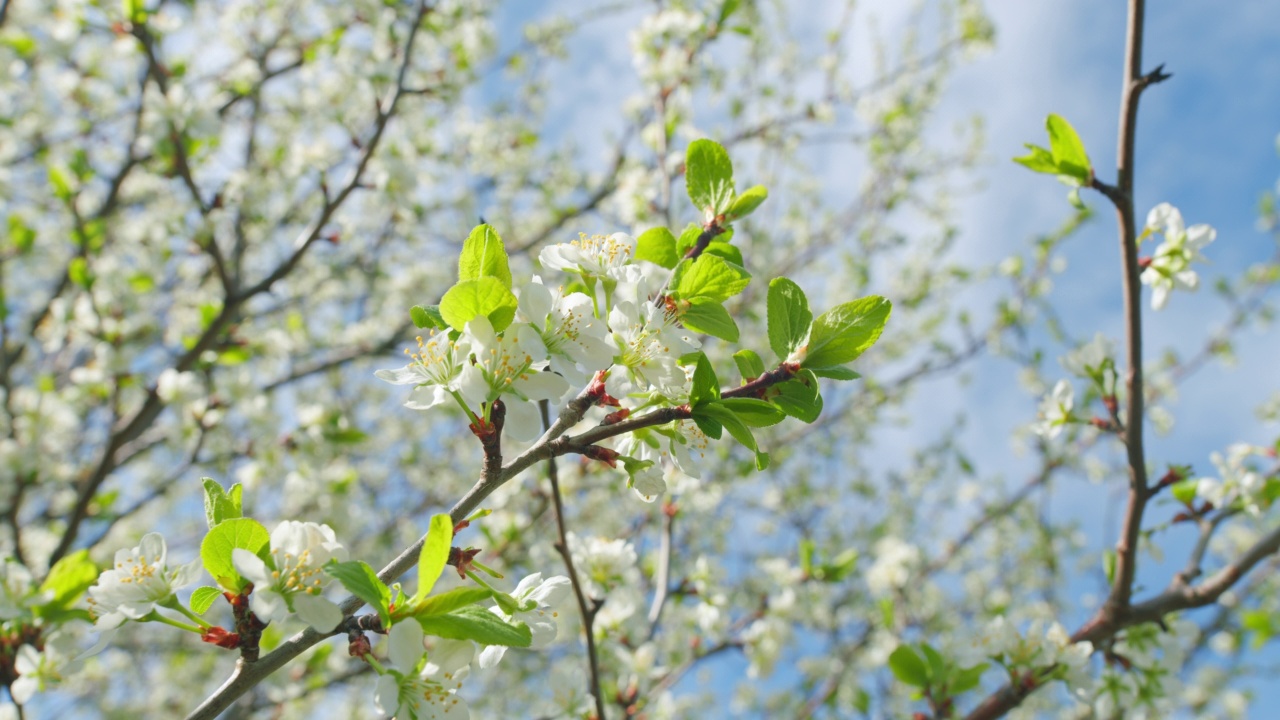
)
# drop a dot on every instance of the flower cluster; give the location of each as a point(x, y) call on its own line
point(1170, 267)
point(291, 577)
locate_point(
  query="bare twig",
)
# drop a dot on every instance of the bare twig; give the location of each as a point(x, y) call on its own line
point(587, 610)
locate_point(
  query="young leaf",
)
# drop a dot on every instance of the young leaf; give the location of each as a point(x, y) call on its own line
point(908, 667)
point(708, 425)
point(450, 600)
point(434, 554)
point(477, 624)
point(427, 317)
point(658, 246)
point(836, 372)
point(202, 599)
point(842, 333)
point(360, 580)
point(937, 664)
point(709, 276)
point(1038, 160)
point(705, 386)
point(471, 299)
point(753, 412)
point(747, 202)
point(220, 505)
point(706, 315)
point(964, 680)
point(709, 176)
point(789, 317)
point(215, 549)
point(723, 249)
point(798, 397)
point(749, 364)
point(1068, 151)
point(717, 411)
point(483, 255)
point(68, 579)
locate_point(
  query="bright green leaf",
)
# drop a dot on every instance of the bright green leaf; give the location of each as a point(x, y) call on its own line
point(470, 299)
point(427, 317)
point(747, 202)
point(908, 667)
point(836, 372)
point(476, 624)
point(1038, 160)
point(842, 333)
point(78, 272)
point(749, 364)
point(798, 397)
point(450, 600)
point(228, 535)
point(725, 250)
point(68, 579)
point(966, 679)
point(705, 386)
point(1068, 151)
point(754, 412)
point(789, 317)
point(202, 599)
point(219, 504)
point(730, 421)
point(360, 580)
point(434, 554)
point(658, 246)
point(708, 316)
point(709, 276)
point(483, 255)
point(709, 176)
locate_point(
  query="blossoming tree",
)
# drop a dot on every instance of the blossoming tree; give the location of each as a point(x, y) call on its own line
point(222, 492)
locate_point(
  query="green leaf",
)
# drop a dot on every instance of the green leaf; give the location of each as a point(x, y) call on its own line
point(724, 250)
point(708, 176)
point(68, 579)
point(798, 397)
point(470, 299)
point(937, 664)
point(1038, 160)
point(747, 202)
point(789, 317)
point(658, 246)
point(708, 425)
point(807, 551)
point(202, 599)
point(749, 364)
point(434, 554)
point(836, 372)
point(228, 535)
point(842, 333)
point(908, 667)
point(688, 238)
point(21, 236)
point(427, 317)
point(708, 316)
point(220, 505)
point(360, 580)
point(477, 624)
point(78, 272)
point(966, 679)
point(450, 600)
point(709, 276)
point(717, 411)
point(1184, 491)
point(754, 412)
point(705, 386)
point(483, 255)
point(1068, 151)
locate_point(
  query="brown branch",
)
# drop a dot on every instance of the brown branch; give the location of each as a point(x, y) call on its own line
point(587, 610)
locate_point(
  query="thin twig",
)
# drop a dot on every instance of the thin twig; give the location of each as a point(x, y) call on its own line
point(587, 610)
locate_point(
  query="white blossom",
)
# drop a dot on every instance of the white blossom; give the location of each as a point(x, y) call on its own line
point(40, 670)
point(405, 691)
point(510, 366)
point(139, 579)
point(573, 336)
point(595, 255)
point(291, 579)
point(1055, 411)
point(1170, 266)
point(433, 370)
point(540, 603)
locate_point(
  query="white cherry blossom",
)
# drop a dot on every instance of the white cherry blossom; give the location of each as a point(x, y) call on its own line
point(406, 691)
point(292, 578)
point(434, 370)
point(138, 581)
